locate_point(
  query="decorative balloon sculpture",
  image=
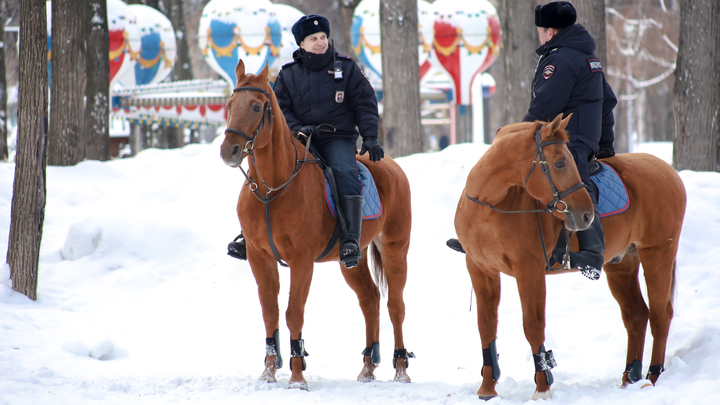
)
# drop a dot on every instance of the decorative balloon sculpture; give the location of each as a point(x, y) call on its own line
point(366, 35)
point(124, 39)
point(156, 56)
point(287, 16)
point(467, 41)
point(231, 30)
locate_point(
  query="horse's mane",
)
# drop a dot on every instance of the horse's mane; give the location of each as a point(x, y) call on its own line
point(529, 129)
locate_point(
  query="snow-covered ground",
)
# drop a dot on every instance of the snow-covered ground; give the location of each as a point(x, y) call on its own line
point(138, 302)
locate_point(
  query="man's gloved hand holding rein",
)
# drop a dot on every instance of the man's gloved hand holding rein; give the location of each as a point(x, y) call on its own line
point(605, 151)
point(305, 132)
point(372, 146)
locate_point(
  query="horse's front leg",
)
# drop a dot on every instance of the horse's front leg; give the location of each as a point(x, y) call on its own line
point(265, 270)
point(531, 286)
point(300, 277)
point(487, 291)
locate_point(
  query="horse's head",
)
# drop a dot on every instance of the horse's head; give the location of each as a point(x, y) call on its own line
point(557, 183)
point(249, 118)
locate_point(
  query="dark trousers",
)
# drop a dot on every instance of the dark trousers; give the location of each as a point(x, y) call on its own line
point(582, 154)
point(340, 155)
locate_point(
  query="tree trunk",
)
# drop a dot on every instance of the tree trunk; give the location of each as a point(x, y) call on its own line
point(401, 78)
point(97, 65)
point(347, 8)
point(28, 202)
point(696, 107)
point(591, 15)
point(183, 67)
point(3, 89)
point(66, 145)
point(520, 40)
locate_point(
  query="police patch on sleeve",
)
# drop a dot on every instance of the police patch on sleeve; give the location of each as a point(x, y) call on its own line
point(595, 65)
point(548, 71)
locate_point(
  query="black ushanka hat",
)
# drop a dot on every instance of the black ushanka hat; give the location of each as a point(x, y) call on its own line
point(308, 25)
point(558, 14)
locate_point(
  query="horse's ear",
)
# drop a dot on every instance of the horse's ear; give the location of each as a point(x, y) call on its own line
point(555, 124)
point(564, 122)
point(239, 70)
point(264, 73)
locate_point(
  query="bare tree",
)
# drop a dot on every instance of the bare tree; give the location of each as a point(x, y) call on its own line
point(97, 65)
point(29, 192)
point(696, 107)
point(591, 15)
point(401, 78)
point(183, 66)
point(66, 145)
point(3, 89)
point(520, 39)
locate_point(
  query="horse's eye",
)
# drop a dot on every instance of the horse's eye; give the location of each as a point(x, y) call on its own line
point(257, 108)
point(560, 164)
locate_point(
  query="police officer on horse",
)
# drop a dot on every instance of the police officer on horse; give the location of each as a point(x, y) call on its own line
point(569, 79)
point(327, 98)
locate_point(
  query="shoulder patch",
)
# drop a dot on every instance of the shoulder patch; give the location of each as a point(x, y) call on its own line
point(548, 71)
point(595, 65)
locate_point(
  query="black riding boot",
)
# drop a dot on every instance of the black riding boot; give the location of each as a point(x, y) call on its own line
point(350, 247)
point(236, 248)
point(589, 258)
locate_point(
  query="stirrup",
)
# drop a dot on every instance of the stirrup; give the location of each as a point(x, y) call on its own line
point(237, 249)
point(350, 256)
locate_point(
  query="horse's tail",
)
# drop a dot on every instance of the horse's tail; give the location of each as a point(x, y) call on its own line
point(379, 270)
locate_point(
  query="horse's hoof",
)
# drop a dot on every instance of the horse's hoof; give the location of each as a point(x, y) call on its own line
point(267, 377)
point(367, 375)
point(486, 397)
point(541, 395)
point(401, 373)
point(298, 385)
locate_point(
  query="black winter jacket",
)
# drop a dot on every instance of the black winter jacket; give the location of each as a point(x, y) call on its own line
point(569, 79)
point(308, 94)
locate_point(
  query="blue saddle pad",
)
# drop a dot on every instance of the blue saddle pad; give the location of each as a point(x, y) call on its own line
point(372, 207)
point(613, 198)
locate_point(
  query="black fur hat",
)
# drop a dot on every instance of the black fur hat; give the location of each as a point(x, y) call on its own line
point(558, 14)
point(308, 25)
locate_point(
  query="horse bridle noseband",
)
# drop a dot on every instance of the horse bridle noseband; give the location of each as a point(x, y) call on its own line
point(552, 205)
point(251, 183)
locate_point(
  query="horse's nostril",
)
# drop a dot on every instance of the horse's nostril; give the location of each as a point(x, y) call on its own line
point(236, 149)
point(588, 218)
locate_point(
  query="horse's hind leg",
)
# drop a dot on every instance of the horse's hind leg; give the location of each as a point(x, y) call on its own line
point(394, 250)
point(487, 292)
point(659, 267)
point(361, 282)
point(625, 287)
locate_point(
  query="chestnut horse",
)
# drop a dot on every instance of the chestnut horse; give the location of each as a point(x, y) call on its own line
point(284, 216)
point(646, 233)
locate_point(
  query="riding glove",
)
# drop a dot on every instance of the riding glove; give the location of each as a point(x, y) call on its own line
point(307, 131)
point(605, 152)
point(372, 146)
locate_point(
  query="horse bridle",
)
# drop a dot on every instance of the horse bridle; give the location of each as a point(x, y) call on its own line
point(251, 183)
point(552, 205)
point(557, 196)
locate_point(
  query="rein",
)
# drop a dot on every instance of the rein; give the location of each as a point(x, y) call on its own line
point(251, 183)
point(552, 205)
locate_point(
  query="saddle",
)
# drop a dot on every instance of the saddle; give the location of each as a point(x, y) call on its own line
point(613, 197)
